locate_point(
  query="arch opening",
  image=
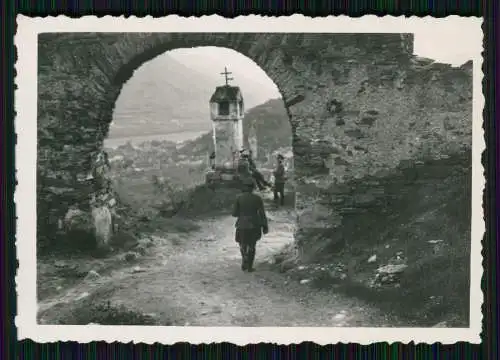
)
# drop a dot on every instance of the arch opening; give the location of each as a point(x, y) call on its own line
point(163, 132)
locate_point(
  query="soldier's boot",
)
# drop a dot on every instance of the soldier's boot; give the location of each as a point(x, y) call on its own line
point(251, 258)
point(244, 260)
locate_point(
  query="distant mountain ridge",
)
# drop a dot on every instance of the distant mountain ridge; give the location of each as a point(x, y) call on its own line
point(167, 96)
point(272, 126)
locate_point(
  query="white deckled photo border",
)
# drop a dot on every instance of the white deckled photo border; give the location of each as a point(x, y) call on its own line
point(26, 42)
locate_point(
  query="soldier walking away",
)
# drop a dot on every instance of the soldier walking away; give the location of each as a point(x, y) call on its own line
point(279, 181)
point(251, 223)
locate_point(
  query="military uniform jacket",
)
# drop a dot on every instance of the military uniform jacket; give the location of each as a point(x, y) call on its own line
point(279, 174)
point(249, 211)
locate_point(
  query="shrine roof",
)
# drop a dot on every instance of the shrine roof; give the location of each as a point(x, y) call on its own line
point(226, 93)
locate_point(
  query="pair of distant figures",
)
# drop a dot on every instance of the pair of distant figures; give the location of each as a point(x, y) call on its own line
point(248, 169)
point(248, 166)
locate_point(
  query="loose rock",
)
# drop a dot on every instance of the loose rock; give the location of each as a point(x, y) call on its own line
point(392, 269)
point(60, 264)
point(131, 256)
point(92, 275)
point(286, 265)
point(82, 296)
point(137, 269)
point(141, 249)
point(339, 316)
point(434, 241)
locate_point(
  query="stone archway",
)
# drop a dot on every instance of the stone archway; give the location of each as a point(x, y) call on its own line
point(354, 100)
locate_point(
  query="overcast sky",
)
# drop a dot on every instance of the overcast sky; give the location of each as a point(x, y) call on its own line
point(449, 44)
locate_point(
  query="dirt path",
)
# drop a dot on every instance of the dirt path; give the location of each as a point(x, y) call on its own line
point(199, 282)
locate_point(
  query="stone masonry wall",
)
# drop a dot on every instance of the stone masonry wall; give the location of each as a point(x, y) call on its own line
point(359, 104)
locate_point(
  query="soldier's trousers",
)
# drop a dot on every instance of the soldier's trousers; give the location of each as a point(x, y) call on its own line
point(279, 193)
point(247, 255)
point(247, 240)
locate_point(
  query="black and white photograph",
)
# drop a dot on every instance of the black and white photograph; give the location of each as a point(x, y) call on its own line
point(249, 180)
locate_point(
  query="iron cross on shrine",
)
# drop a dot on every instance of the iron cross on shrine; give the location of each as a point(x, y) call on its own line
point(226, 73)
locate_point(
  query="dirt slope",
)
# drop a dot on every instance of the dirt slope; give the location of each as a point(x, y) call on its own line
point(196, 280)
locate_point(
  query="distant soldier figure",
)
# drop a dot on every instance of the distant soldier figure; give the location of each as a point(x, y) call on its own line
point(279, 181)
point(243, 162)
point(251, 223)
point(244, 173)
point(259, 178)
